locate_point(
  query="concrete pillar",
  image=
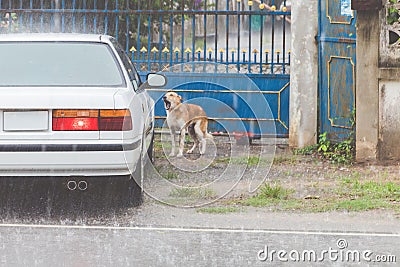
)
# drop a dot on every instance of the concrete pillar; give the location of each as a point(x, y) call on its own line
point(367, 85)
point(303, 114)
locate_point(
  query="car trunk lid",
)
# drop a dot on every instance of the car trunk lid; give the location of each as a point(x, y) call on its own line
point(26, 113)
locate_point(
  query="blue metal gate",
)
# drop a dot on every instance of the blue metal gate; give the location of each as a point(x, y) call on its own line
point(249, 39)
point(337, 63)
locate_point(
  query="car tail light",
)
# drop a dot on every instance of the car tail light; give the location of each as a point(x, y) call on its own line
point(92, 120)
point(115, 120)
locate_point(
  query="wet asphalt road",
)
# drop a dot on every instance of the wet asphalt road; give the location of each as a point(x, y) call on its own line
point(40, 232)
point(57, 245)
point(158, 235)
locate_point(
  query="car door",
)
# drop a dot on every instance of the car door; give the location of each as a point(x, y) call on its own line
point(143, 97)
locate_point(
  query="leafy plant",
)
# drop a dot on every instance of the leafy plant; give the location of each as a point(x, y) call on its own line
point(393, 13)
point(324, 145)
point(341, 153)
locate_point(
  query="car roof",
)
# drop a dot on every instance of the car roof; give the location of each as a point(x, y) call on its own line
point(67, 37)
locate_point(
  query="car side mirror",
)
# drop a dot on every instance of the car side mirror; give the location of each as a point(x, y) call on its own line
point(156, 80)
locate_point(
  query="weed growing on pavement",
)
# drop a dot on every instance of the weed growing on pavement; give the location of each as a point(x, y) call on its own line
point(274, 192)
point(268, 195)
point(192, 193)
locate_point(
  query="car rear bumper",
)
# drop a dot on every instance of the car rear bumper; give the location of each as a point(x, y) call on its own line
point(68, 159)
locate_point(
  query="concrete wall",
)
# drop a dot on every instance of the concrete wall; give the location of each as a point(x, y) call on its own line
point(377, 84)
point(377, 90)
point(367, 93)
point(389, 114)
point(389, 91)
point(303, 112)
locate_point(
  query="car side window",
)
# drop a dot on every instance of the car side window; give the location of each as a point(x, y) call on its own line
point(130, 68)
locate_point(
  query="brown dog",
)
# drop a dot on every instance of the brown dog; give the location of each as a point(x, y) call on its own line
point(186, 117)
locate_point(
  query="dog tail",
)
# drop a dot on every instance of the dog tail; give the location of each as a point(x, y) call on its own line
point(188, 123)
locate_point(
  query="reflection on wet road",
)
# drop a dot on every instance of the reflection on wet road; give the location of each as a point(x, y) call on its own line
point(58, 245)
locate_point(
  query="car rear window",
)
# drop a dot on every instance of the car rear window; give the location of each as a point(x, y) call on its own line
point(58, 64)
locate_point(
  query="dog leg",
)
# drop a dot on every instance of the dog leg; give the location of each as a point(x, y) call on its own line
point(190, 151)
point(181, 142)
point(192, 134)
point(201, 137)
point(172, 143)
point(203, 145)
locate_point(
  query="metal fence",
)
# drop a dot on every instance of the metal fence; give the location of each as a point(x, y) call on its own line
point(245, 36)
point(233, 51)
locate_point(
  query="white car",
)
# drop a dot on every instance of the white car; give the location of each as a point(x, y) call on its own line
point(72, 106)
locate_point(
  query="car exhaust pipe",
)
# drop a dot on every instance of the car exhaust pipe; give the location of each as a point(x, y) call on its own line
point(71, 185)
point(82, 185)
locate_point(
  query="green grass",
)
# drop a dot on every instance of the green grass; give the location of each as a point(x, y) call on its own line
point(219, 210)
point(159, 146)
point(192, 193)
point(268, 195)
point(170, 175)
point(249, 161)
point(353, 187)
point(274, 192)
point(308, 150)
point(351, 194)
point(358, 195)
point(361, 204)
point(285, 160)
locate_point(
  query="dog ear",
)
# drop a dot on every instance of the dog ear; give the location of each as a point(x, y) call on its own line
point(180, 98)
